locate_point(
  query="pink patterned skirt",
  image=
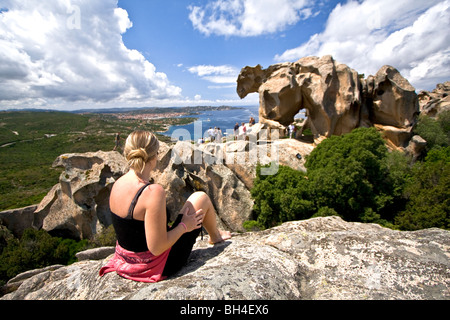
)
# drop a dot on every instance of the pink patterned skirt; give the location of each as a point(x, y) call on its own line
point(137, 266)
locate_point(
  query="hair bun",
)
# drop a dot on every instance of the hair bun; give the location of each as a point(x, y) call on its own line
point(138, 154)
point(140, 147)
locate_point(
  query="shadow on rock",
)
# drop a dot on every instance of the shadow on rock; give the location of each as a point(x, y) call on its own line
point(199, 257)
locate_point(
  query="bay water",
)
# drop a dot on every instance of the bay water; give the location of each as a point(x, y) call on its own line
point(223, 119)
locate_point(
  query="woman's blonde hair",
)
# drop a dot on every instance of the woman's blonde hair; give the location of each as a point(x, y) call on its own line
point(140, 147)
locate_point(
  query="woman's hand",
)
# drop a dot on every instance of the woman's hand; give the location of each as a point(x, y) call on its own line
point(192, 220)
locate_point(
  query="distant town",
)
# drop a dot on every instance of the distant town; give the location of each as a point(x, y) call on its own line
point(149, 116)
point(155, 113)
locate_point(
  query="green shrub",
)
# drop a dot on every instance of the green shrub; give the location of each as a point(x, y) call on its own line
point(105, 238)
point(435, 132)
point(34, 250)
point(352, 176)
point(325, 212)
point(281, 197)
point(428, 191)
point(252, 225)
point(348, 173)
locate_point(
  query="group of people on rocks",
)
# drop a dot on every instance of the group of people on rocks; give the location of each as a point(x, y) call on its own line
point(215, 135)
point(240, 131)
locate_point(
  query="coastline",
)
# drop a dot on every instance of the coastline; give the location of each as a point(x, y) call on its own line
point(224, 118)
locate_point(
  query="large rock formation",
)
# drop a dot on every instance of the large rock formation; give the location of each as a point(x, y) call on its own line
point(434, 102)
point(321, 258)
point(224, 171)
point(336, 98)
point(17, 220)
point(184, 169)
point(78, 206)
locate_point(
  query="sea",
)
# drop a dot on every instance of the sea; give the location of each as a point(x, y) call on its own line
point(223, 119)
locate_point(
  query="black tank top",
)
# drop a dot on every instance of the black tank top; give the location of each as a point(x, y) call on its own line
point(130, 233)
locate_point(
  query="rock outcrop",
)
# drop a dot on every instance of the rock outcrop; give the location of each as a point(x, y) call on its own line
point(17, 220)
point(434, 102)
point(224, 171)
point(336, 98)
point(320, 258)
point(78, 206)
point(184, 169)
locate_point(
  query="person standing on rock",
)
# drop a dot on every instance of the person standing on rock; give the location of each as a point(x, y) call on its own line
point(291, 129)
point(117, 141)
point(147, 249)
point(236, 131)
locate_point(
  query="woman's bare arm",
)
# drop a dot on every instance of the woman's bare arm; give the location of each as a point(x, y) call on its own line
point(158, 238)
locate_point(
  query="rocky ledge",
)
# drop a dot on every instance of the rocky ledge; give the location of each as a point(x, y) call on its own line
point(321, 258)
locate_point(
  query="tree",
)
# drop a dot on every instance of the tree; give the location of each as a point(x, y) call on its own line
point(348, 173)
point(280, 197)
point(435, 132)
point(428, 191)
point(354, 176)
point(36, 249)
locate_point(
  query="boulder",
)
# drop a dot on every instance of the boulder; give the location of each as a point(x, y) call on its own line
point(17, 220)
point(78, 206)
point(434, 102)
point(185, 168)
point(392, 98)
point(320, 258)
point(336, 98)
point(95, 254)
point(416, 147)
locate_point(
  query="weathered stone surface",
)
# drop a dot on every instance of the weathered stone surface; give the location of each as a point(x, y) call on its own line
point(434, 102)
point(78, 206)
point(17, 220)
point(416, 146)
point(394, 100)
point(95, 254)
point(321, 258)
point(337, 100)
point(14, 283)
point(184, 169)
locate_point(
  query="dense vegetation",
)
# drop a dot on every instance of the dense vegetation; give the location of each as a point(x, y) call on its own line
point(37, 249)
point(356, 177)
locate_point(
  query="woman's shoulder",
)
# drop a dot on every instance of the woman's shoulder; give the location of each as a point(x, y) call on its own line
point(154, 191)
point(154, 196)
point(157, 188)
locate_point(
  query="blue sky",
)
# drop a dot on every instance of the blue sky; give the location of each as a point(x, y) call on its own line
point(72, 54)
point(163, 32)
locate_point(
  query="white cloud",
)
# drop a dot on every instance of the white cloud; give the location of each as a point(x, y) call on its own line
point(204, 70)
point(411, 35)
point(217, 74)
point(248, 17)
point(124, 21)
point(61, 52)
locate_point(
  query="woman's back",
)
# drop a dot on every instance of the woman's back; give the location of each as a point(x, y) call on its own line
point(123, 193)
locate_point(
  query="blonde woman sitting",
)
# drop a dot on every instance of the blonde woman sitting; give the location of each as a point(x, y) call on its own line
point(147, 249)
